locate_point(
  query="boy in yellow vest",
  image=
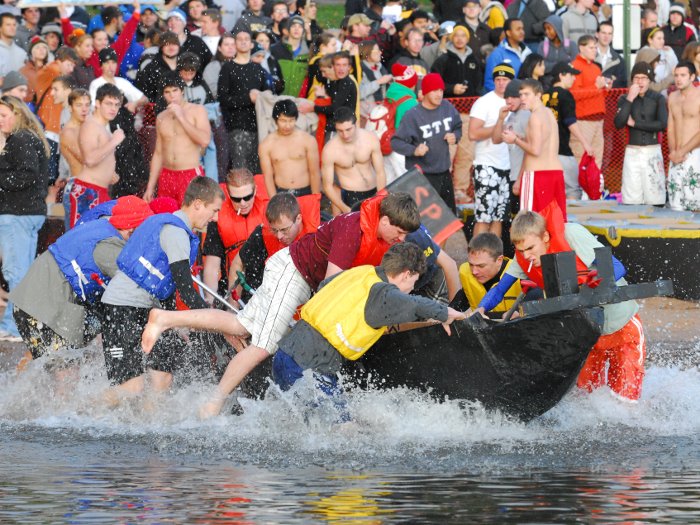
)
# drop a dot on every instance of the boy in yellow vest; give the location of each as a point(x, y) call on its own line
point(483, 270)
point(352, 311)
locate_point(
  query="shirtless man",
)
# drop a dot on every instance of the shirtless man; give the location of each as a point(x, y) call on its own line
point(541, 179)
point(289, 156)
point(97, 147)
point(79, 104)
point(684, 140)
point(182, 133)
point(354, 156)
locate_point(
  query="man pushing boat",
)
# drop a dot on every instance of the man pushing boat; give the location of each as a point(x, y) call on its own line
point(622, 345)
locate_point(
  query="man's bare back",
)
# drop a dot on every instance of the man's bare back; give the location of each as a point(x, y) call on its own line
point(542, 129)
point(178, 150)
point(290, 161)
point(97, 147)
point(70, 147)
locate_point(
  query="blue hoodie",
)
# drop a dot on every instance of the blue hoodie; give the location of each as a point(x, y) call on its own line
point(503, 53)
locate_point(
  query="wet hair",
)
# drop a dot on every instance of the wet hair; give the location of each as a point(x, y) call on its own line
point(108, 90)
point(214, 14)
point(240, 177)
point(528, 66)
point(76, 94)
point(172, 80)
point(282, 205)
point(64, 53)
point(533, 84)
point(344, 114)
point(366, 48)
point(401, 210)
point(486, 242)
point(203, 188)
point(188, 61)
point(66, 81)
point(508, 24)
point(25, 119)
point(110, 13)
point(687, 64)
point(285, 108)
point(404, 256)
point(527, 223)
point(585, 39)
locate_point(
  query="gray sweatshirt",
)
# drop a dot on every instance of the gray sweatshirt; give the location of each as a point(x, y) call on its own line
point(430, 126)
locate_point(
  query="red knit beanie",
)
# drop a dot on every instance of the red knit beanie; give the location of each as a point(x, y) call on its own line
point(404, 75)
point(164, 205)
point(129, 212)
point(431, 82)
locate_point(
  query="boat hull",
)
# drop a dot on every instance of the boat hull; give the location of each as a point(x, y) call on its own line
point(522, 368)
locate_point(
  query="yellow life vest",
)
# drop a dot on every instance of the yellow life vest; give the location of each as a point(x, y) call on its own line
point(475, 291)
point(337, 312)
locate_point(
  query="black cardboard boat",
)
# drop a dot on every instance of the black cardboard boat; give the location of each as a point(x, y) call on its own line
point(521, 367)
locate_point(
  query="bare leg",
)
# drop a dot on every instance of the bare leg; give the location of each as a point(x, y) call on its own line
point(236, 371)
point(132, 387)
point(160, 381)
point(496, 228)
point(203, 319)
point(480, 227)
point(24, 362)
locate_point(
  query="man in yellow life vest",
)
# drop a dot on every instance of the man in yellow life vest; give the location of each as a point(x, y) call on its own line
point(351, 312)
point(484, 269)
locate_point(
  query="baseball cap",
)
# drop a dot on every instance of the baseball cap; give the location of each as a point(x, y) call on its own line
point(513, 89)
point(561, 68)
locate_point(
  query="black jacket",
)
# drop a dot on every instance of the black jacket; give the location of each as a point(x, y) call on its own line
point(196, 45)
point(150, 79)
point(343, 93)
point(24, 175)
point(235, 83)
point(678, 37)
point(649, 114)
point(478, 38)
point(455, 71)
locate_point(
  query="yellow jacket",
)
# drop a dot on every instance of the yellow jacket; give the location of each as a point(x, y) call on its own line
point(475, 291)
point(337, 312)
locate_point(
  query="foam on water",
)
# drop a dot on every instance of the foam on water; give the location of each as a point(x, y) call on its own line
point(398, 427)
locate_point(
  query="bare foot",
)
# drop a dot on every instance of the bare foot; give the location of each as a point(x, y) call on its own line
point(211, 408)
point(152, 331)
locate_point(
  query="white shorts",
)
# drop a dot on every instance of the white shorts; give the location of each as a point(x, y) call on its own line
point(643, 178)
point(269, 312)
point(684, 183)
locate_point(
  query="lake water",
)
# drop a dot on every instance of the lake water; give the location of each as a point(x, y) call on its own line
point(404, 459)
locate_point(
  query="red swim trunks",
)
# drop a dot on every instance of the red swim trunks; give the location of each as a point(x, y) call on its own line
point(174, 183)
point(539, 188)
point(83, 196)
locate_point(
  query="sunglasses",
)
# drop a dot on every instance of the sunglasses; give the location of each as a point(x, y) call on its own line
point(241, 199)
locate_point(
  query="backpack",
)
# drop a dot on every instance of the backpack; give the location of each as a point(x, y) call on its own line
point(545, 46)
point(382, 120)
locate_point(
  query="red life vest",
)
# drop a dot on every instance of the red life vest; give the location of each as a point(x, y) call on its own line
point(557, 243)
point(372, 249)
point(235, 229)
point(310, 206)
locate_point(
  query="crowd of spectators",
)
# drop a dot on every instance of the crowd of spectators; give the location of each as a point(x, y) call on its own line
point(237, 60)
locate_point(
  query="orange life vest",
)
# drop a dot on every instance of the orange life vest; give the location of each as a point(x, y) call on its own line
point(310, 206)
point(372, 249)
point(234, 229)
point(557, 243)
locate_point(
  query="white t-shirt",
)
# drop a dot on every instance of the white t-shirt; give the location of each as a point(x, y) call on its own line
point(131, 93)
point(486, 153)
point(212, 43)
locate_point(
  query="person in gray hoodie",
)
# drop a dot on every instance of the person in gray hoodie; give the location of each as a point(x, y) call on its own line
point(579, 20)
point(555, 48)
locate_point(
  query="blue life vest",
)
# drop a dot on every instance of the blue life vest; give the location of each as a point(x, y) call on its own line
point(431, 250)
point(74, 254)
point(101, 210)
point(144, 261)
